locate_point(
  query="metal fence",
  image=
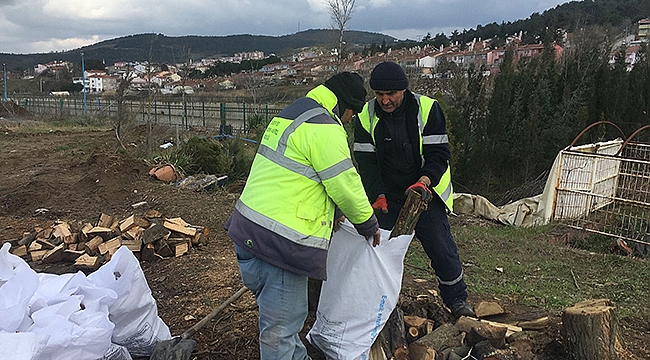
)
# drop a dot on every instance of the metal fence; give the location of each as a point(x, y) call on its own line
point(235, 118)
point(605, 189)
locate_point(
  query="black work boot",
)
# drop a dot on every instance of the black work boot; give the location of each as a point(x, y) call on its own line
point(461, 308)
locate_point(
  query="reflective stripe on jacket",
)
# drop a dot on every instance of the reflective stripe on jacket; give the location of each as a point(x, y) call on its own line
point(303, 168)
point(368, 119)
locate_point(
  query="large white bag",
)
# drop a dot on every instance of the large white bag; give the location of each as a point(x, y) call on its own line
point(361, 291)
point(134, 313)
point(18, 282)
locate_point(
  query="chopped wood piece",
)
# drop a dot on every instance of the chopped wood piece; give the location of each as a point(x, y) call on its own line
point(83, 233)
point(445, 336)
point(44, 233)
point(72, 239)
point(485, 350)
point(154, 233)
point(127, 223)
point(537, 324)
point(142, 222)
point(87, 262)
point(151, 213)
point(592, 331)
point(105, 221)
point(134, 245)
point(54, 255)
point(105, 233)
point(20, 250)
point(149, 253)
point(72, 255)
point(61, 230)
point(134, 233)
point(163, 249)
point(511, 328)
point(398, 342)
point(110, 247)
point(488, 308)
point(92, 246)
point(45, 244)
point(418, 351)
point(28, 238)
point(35, 246)
point(37, 255)
point(409, 214)
point(179, 248)
point(179, 226)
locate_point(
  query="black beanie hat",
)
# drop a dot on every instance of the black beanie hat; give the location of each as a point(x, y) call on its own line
point(388, 76)
point(349, 90)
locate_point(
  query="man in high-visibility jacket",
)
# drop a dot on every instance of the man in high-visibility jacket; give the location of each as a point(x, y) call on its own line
point(400, 143)
point(283, 221)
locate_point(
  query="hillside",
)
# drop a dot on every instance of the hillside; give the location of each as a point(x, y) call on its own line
point(167, 49)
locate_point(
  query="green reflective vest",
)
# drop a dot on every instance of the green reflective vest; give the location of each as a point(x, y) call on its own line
point(302, 168)
point(369, 119)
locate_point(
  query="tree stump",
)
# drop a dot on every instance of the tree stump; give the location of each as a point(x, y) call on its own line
point(591, 331)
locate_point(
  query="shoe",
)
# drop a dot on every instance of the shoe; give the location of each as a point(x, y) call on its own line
point(462, 308)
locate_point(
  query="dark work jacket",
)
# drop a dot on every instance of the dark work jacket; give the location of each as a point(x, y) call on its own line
point(383, 172)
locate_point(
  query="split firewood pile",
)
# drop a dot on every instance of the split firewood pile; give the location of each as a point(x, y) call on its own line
point(150, 237)
point(423, 330)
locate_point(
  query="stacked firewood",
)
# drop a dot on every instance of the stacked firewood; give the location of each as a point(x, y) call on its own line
point(149, 236)
point(429, 333)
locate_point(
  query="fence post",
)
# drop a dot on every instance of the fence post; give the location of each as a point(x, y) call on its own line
point(203, 111)
point(155, 111)
point(185, 112)
point(169, 111)
point(243, 110)
point(222, 116)
point(266, 111)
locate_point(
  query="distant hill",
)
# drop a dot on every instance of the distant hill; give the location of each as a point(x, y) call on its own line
point(167, 49)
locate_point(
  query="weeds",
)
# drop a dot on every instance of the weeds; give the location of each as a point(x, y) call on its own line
point(521, 263)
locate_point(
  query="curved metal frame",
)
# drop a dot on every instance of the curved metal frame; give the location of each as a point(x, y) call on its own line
point(594, 125)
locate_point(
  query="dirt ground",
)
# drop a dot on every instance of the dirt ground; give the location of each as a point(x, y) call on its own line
point(77, 176)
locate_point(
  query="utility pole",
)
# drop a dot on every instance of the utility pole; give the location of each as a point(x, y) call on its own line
point(4, 76)
point(83, 79)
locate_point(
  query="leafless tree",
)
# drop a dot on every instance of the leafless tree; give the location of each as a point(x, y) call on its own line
point(341, 13)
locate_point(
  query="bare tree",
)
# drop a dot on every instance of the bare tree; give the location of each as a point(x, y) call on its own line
point(341, 13)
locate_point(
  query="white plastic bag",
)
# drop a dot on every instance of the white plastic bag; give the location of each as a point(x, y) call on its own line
point(361, 291)
point(134, 313)
point(21, 346)
point(18, 282)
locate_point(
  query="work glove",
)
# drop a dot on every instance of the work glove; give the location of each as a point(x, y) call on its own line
point(381, 204)
point(422, 189)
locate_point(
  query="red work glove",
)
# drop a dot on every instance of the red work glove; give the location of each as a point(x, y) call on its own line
point(381, 204)
point(421, 188)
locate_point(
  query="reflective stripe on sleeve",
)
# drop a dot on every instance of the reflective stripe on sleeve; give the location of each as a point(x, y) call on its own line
point(435, 139)
point(280, 229)
point(364, 147)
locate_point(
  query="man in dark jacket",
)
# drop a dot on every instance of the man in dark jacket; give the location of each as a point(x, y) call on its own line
point(400, 143)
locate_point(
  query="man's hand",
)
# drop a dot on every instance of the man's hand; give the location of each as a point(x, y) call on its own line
point(338, 221)
point(381, 204)
point(376, 237)
point(422, 189)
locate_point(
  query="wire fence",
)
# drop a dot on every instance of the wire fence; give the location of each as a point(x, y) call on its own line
point(230, 118)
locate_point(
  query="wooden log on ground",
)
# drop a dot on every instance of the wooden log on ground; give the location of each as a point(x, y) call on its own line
point(180, 226)
point(28, 238)
point(92, 246)
point(88, 262)
point(105, 221)
point(443, 337)
point(591, 330)
point(409, 214)
point(109, 247)
point(488, 308)
point(418, 351)
point(485, 350)
point(54, 255)
point(398, 343)
point(416, 327)
point(153, 234)
point(20, 250)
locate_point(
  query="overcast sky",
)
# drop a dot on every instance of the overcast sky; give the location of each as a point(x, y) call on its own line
point(59, 25)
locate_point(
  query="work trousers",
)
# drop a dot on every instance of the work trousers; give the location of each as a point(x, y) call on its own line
point(435, 236)
point(282, 300)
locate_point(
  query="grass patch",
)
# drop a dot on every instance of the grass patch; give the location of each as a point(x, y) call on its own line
point(71, 124)
point(536, 271)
